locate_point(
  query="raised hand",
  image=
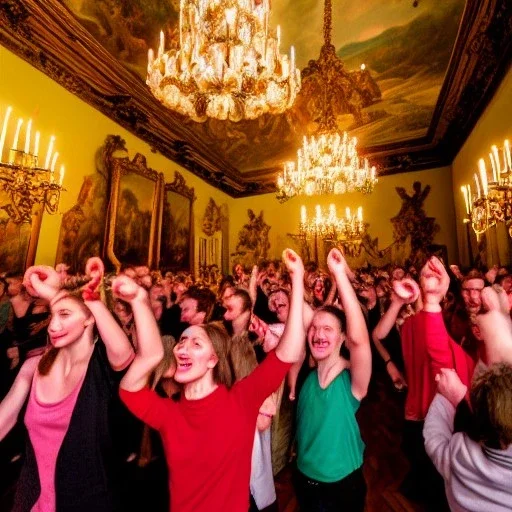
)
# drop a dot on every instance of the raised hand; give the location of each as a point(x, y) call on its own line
point(293, 263)
point(495, 326)
point(407, 290)
point(42, 281)
point(434, 282)
point(125, 288)
point(336, 262)
point(450, 386)
point(94, 269)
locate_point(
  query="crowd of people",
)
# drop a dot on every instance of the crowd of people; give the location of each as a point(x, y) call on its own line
point(101, 370)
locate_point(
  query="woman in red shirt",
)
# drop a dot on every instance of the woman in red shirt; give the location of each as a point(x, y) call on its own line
point(208, 432)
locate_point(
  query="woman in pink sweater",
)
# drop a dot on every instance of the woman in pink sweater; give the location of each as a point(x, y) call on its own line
point(208, 432)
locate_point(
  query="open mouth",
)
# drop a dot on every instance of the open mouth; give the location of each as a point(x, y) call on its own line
point(183, 366)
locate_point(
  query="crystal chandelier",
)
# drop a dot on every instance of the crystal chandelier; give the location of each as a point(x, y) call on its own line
point(492, 201)
point(26, 183)
point(327, 163)
point(228, 65)
point(348, 229)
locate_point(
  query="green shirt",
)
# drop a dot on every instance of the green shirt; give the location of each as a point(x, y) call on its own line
point(329, 445)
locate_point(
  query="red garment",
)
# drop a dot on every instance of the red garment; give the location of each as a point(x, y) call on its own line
point(208, 442)
point(427, 347)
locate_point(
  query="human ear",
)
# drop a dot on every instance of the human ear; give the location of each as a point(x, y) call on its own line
point(212, 362)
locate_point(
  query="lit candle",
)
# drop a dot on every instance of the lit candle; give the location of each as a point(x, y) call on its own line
point(278, 37)
point(4, 130)
point(347, 212)
point(483, 176)
point(303, 214)
point(54, 161)
point(495, 175)
point(477, 185)
point(36, 144)
point(360, 214)
point(470, 198)
point(292, 61)
point(466, 200)
point(161, 46)
point(27, 136)
point(61, 175)
point(506, 151)
point(17, 134)
point(497, 159)
point(49, 152)
point(363, 67)
point(318, 214)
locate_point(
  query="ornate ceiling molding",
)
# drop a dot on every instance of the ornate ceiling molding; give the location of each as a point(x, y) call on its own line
point(48, 36)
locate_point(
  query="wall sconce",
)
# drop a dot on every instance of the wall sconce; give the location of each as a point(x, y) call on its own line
point(492, 202)
point(26, 182)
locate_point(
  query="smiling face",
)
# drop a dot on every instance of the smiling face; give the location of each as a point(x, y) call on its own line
point(279, 303)
point(195, 356)
point(69, 322)
point(324, 336)
point(472, 295)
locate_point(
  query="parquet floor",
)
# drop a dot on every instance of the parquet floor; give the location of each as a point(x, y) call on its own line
point(381, 420)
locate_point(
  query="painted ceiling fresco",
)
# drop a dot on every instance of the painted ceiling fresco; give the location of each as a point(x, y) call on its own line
point(405, 45)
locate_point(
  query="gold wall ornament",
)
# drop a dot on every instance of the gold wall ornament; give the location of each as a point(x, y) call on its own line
point(228, 64)
point(328, 162)
point(29, 186)
point(491, 202)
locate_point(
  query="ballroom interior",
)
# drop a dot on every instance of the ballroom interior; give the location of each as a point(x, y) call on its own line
point(152, 135)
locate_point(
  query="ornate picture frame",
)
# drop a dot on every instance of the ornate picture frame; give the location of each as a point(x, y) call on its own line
point(176, 248)
point(134, 212)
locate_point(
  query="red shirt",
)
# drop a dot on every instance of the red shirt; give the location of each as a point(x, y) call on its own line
point(427, 347)
point(208, 442)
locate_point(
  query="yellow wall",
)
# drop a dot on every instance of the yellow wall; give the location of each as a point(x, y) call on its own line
point(80, 130)
point(378, 208)
point(493, 127)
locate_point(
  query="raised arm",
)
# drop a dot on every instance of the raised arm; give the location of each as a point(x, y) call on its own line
point(358, 342)
point(11, 405)
point(42, 281)
point(150, 349)
point(119, 350)
point(291, 345)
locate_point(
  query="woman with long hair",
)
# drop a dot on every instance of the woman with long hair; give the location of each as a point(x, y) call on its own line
point(67, 392)
point(208, 433)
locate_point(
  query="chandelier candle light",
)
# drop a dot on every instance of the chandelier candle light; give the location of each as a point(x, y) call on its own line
point(328, 163)
point(350, 228)
point(492, 202)
point(27, 184)
point(228, 64)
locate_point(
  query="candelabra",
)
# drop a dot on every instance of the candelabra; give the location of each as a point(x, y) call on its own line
point(492, 202)
point(27, 184)
point(348, 231)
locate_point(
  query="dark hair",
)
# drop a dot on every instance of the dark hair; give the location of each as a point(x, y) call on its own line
point(337, 313)
point(491, 401)
point(204, 296)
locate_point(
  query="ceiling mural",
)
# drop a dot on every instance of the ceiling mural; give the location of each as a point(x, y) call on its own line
point(404, 45)
point(430, 69)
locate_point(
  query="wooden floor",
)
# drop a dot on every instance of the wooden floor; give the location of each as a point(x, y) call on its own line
point(381, 421)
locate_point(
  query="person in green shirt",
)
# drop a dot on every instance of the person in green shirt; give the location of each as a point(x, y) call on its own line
point(329, 446)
